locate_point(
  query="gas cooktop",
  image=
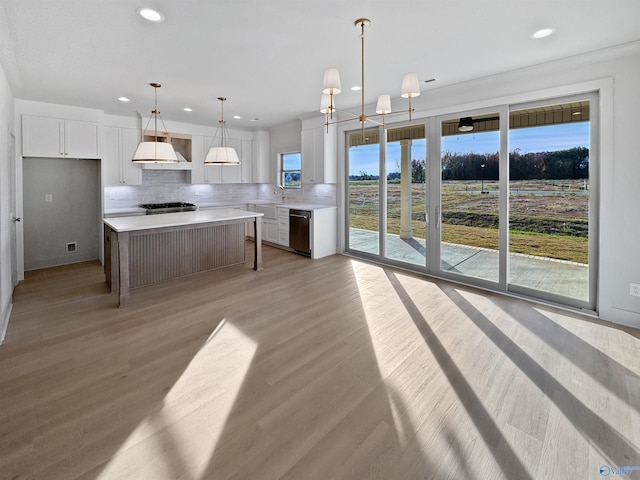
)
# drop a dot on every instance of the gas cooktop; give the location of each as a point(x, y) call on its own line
point(170, 207)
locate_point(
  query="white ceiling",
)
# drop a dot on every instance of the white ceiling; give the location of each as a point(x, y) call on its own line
point(268, 56)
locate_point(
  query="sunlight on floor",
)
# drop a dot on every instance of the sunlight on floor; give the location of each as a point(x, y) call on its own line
point(415, 355)
point(182, 435)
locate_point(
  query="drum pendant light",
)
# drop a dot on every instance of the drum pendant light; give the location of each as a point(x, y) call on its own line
point(221, 154)
point(155, 151)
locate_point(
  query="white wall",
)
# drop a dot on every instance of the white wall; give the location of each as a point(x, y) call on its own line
point(6, 130)
point(283, 139)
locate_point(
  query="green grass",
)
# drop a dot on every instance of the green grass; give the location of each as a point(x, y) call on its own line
point(549, 225)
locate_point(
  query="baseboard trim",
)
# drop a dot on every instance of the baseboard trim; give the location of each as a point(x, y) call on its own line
point(5, 321)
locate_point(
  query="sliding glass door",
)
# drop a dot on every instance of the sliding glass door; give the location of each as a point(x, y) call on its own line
point(363, 192)
point(469, 196)
point(406, 195)
point(551, 202)
point(503, 198)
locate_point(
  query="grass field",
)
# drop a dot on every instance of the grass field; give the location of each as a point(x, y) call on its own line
point(547, 219)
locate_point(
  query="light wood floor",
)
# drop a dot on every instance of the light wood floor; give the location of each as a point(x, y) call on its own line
point(325, 369)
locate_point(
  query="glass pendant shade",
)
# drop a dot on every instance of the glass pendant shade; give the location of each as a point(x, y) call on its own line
point(155, 152)
point(410, 85)
point(222, 156)
point(331, 83)
point(384, 104)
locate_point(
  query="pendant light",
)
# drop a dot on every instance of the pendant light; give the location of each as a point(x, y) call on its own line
point(222, 154)
point(331, 86)
point(155, 151)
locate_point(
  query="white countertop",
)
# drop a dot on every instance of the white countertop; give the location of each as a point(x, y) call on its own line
point(145, 222)
point(299, 206)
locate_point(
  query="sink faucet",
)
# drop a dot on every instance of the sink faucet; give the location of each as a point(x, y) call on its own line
point(275, 192)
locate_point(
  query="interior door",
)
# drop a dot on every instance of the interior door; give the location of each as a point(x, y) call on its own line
point(13, 207)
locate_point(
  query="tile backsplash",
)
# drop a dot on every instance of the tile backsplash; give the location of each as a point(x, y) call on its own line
point(174, 186)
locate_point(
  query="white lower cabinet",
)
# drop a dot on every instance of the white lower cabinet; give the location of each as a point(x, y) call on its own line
point(270, 230)
point(283, 226)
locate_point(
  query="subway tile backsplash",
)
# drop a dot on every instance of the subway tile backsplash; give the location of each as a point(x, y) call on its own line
point(173, 186)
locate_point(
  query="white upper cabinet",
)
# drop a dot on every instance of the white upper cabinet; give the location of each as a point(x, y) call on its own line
point(319, 162)
point(246, 161)
point(119, 147)
point(260, 154)
point(59, 138)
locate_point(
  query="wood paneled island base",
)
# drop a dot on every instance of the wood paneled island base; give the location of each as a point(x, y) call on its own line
point(143, 250)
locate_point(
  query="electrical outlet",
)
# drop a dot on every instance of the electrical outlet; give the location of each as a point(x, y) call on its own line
point(634, 289)
point(48, 198)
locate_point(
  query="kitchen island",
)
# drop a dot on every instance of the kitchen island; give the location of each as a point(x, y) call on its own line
point(143, 250)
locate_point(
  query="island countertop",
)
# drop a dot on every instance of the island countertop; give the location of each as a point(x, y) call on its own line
point(145, 222)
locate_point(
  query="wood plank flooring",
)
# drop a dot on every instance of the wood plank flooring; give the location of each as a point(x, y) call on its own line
point(309, 369)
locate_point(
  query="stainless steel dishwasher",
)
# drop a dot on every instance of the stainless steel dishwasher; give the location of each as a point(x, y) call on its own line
point(299, 226)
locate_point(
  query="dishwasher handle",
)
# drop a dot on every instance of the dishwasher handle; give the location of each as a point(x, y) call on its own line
point(295, 215)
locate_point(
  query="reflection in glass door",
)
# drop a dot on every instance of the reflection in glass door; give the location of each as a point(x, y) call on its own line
point(406, 225)
point(363, 192)
point(470, 216)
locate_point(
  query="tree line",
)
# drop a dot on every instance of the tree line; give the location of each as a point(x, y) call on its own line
point(567, 164)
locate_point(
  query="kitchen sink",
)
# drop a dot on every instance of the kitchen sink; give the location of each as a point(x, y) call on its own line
point(268, 209)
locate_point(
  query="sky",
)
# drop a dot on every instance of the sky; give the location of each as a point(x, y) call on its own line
point(538, 139)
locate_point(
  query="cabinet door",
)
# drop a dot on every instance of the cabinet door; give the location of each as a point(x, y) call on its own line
point(130, 173)
point(197, 159)
point(231, 173)
point(308, 154)
point(260, 155)
point(42, 137)
point(201, 173)
point(80, 139)
point(111, 156)
point(246, 161)
point(119, 146)
point(271, 230)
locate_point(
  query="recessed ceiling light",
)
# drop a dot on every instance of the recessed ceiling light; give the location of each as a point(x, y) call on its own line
point(543, 32)
point(187, 109)
point(150, 14)
point(237, 117)
point(124, 99)
point(255, 119)
point(355, 88)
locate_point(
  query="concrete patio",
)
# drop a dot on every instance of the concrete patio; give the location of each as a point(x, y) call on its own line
point(555, 276)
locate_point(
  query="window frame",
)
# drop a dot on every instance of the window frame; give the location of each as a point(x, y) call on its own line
point(284, 171)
